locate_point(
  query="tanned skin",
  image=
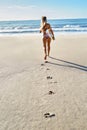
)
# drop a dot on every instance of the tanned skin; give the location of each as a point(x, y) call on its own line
point(47, 40)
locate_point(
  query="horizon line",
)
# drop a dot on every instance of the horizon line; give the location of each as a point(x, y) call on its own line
point(40, 19)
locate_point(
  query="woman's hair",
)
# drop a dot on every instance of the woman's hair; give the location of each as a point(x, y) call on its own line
point(43, 20)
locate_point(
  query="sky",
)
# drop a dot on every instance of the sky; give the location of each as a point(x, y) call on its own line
point(35, 9)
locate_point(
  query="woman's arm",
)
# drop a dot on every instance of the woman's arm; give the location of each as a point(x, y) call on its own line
point(41, 30)
point(52, 33)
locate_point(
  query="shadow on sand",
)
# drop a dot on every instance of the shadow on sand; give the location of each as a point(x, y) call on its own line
point(69, 64)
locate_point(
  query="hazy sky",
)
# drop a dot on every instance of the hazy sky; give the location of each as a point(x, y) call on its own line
point(34, 9)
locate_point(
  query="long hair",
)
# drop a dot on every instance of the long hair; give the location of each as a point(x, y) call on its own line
point(43, 21)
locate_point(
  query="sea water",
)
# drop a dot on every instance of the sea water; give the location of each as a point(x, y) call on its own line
point(33, 26)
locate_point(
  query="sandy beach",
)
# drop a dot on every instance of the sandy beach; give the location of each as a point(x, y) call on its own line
point(43, 96)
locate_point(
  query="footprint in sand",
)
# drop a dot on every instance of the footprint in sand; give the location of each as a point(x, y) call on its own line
point(49, 115)
point(46, 61)
point(48, 69)
point(55, 82)
point(49, 77)
point(42, 64)
point(51, 92)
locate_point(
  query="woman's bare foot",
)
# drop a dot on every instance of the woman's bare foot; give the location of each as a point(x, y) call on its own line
point(45, 57)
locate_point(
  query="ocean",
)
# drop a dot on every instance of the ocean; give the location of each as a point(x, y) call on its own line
point(33, 26)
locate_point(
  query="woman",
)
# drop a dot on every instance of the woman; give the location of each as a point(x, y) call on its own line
point(47, 35)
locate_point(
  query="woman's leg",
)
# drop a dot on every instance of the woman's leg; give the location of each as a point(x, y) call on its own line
point(48, 42)
point(44, 45)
